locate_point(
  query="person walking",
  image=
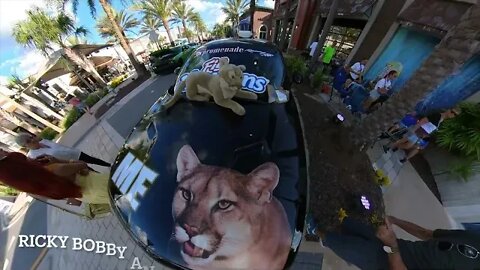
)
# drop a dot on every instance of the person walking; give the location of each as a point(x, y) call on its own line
point(39, 147)
point(328, 54)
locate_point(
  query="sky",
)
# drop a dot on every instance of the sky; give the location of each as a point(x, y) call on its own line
point(16, 59)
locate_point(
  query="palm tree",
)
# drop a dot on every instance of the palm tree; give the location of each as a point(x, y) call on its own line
point(198, 24)
point(125, 21)
point(161, 9)
point(140, 68)
point(42, 32)
point(218, 31)
point(455, 49)
point(182, 12)
point(75, 40)
point(233, 9)
point(150, 23)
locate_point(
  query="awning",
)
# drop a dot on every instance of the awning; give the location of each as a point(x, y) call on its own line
point(439, 14)
point(347, 7)
point(55, 66)
point(99, 62)
point(87, 49)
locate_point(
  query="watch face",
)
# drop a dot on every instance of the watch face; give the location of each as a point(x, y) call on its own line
point(387, 249)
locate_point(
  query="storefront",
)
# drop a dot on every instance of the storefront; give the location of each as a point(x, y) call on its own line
point(421, 26)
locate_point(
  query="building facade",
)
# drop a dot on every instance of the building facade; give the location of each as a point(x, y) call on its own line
point(262, 23)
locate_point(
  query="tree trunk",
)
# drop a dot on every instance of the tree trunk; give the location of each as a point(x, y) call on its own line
point(84, 63)
point(459, 45)
point(252, 13)
point(83, 80)
point(167, 28)
point(326, 29)
point(140, 68)
point(185, 30)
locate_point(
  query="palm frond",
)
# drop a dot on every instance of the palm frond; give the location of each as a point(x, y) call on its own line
point(125, 21)
point(40, 30)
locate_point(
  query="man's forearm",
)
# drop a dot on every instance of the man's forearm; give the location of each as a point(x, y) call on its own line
point(395, 262)
point(413, 229)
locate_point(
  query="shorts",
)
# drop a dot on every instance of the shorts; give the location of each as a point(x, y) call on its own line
point(413, 138)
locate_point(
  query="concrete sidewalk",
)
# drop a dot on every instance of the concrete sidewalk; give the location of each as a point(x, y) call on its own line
point(87, 122)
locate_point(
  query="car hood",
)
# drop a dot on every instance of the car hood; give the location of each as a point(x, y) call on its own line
point(160, 184)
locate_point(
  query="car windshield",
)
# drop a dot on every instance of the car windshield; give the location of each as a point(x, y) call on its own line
point(177, 50)
point(262, 63)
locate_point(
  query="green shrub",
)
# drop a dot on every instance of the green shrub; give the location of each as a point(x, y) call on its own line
point(80, 95)
point(8, 191)
point(318, 78)
point(92, 99)
point(48, 134)
point(464, 169)
point(117, 80)
point(462, 133)
point(103, 92)
point(71, 118)
point(160, 52)
point(295, 64)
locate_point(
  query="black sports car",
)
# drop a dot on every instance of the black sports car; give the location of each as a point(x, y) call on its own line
point(166, 62)
point(199, 187)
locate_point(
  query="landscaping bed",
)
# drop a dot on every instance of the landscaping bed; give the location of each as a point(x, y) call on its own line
point(339, 173)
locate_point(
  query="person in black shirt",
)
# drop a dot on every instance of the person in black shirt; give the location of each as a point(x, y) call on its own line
point(439, 249)
point(359, 244)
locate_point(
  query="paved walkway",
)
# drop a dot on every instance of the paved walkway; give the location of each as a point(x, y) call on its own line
point(100, 140)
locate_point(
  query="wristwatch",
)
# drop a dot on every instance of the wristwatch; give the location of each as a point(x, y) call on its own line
point(390, 250)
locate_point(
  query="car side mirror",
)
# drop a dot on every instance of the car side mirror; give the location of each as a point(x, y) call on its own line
point(177, 70)
point(297, 78)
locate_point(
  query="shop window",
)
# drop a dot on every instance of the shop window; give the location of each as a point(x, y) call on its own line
point(344, 38)
point(262, 32)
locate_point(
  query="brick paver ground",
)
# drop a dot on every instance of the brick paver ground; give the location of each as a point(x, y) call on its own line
point(100, 144)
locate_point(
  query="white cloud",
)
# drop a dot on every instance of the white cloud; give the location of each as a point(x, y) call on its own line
point(269, 3)
point(201, 5)
point(3, 80)
point(25, 65)
point(13, 11)
point(211, 12)
point(221, 17)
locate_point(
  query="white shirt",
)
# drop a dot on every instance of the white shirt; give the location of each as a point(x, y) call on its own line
point(357, 67)
point(383, 83)
point(55, 150)
point(429, 127)
point(313, 47)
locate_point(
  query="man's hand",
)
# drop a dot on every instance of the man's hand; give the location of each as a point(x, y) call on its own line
point(386, 235)
point(412, 228)
point(47, 160)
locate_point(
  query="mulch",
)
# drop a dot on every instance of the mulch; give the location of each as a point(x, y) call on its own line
point(339, 173)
